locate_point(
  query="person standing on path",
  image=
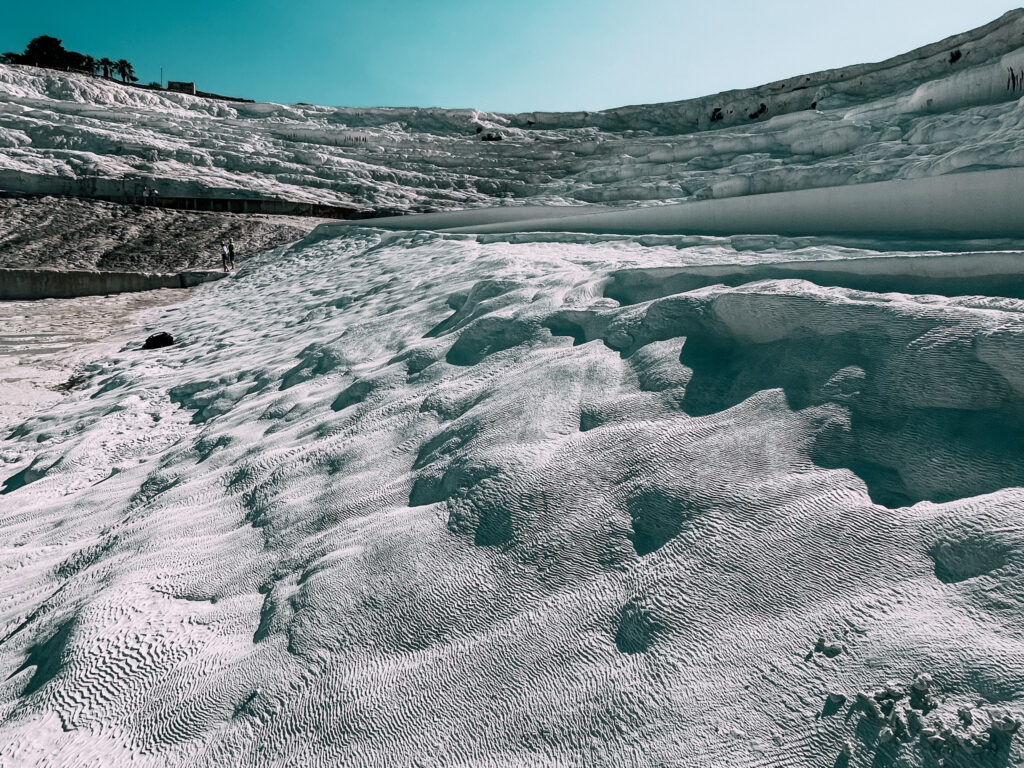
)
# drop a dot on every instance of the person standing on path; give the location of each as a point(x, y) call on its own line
point(231, 252)
point(225, 258)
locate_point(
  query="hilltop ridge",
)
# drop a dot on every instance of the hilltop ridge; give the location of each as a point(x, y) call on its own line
point(928, 112)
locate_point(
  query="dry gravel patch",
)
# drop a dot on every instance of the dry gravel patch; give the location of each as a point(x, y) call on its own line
point(74, 233)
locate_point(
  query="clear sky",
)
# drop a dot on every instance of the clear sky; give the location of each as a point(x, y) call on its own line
point(499, 55)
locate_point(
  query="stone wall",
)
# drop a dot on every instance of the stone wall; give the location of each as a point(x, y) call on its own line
point(22, 284)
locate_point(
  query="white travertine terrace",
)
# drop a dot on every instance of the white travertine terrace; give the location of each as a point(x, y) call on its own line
point(538, 498)
point(946, 108)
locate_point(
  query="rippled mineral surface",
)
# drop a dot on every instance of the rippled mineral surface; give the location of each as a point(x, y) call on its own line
point(421, 499)
point(522, 498)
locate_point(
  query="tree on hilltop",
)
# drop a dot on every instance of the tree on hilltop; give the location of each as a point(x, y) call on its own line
point(79, 62)
point(45, 51)
point(126, 71)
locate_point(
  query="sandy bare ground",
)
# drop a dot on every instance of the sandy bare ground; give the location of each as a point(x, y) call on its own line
point(73, 233)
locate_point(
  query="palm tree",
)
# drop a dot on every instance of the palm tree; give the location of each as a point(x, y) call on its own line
point(106, 65)
point(89, 64)
point(126, 71)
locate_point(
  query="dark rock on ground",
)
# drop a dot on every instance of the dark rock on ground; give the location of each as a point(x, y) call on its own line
point(158, 340)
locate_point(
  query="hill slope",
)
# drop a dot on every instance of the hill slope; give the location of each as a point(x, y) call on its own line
point(534, 498)
point(436, 498)
point(948, 107)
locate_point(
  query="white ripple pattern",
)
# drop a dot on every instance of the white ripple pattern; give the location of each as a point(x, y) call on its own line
point(415, 499)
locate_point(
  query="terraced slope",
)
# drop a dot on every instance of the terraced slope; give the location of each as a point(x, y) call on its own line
point(945, 108)
point(495, 497)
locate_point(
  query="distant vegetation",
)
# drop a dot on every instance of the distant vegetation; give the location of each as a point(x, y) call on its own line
point(46, 51)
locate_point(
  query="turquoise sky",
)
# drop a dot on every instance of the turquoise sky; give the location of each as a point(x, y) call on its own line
point(502, 55)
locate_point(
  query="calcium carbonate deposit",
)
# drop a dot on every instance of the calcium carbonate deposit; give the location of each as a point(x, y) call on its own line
point(528, 498)
point(946, 108)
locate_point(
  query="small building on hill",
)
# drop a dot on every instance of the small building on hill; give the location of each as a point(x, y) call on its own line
point(181, 87)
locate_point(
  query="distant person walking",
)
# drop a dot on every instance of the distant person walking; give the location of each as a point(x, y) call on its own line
point(231, 252)
point(225, 256)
